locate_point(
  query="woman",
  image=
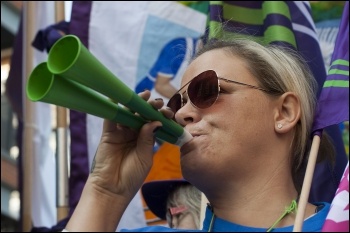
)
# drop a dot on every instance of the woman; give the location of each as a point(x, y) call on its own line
point(249, 109)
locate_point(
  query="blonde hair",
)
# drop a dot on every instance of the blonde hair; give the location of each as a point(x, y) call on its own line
point(189, 196)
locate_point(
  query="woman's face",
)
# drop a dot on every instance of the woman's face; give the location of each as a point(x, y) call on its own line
point(231, 136)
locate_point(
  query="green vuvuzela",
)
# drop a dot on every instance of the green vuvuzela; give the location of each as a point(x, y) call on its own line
point(46, 87)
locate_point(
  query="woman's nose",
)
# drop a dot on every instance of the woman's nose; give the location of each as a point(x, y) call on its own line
point(187, 114)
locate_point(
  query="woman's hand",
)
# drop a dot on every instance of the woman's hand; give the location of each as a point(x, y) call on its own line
point(122, 162)
point(124, 156)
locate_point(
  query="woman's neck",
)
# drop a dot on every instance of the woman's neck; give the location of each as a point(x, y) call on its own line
point(256, 202)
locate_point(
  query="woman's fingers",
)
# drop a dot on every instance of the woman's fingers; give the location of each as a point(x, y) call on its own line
point(159, 105)
point(145, 94)
point(146, 139)
point(167, 112)
point(156, 103)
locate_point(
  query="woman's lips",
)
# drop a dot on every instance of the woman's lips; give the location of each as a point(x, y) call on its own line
point(189, 146)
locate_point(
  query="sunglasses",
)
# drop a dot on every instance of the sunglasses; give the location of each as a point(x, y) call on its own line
point(203, 91)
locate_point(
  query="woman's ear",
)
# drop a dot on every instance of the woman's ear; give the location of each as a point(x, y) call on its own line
point(287, 113)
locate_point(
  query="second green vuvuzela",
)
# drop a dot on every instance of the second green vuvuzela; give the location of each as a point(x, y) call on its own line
point(70, 59)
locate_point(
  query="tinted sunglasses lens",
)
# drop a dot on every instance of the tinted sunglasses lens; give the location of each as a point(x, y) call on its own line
point(175, 102)
point(204, 89)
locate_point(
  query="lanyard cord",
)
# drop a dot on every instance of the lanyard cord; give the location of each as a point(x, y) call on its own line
point(291, 208)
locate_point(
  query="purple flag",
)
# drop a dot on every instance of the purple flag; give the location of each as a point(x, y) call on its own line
point(333, 103)
point(333, 108)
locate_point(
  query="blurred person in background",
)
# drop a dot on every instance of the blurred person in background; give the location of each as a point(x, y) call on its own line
point(174, 200)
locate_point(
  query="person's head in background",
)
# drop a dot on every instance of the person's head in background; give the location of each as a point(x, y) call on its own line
point(184, 206)
point(176, 201)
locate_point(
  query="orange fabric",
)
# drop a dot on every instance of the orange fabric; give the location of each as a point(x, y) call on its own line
point(166, 165)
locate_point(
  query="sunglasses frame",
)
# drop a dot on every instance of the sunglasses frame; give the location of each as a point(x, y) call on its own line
point(218, 93)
